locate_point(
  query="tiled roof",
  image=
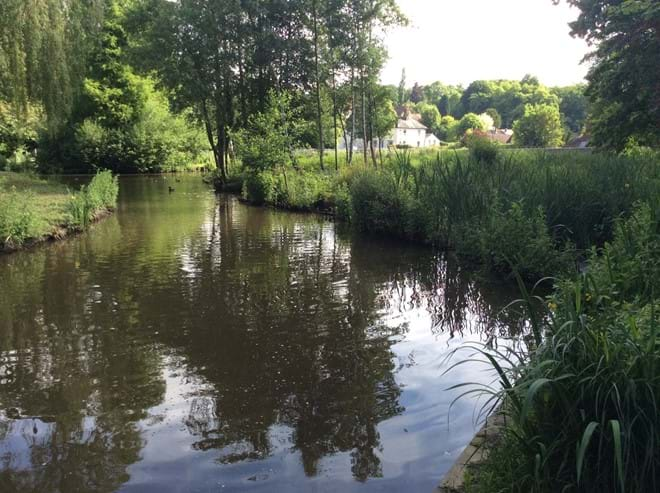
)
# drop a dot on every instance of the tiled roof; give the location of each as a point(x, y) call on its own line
point(410, 124)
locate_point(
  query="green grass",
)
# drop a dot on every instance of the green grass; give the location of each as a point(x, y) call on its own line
point(32, 208)
point(584, 402)
point(529, 211)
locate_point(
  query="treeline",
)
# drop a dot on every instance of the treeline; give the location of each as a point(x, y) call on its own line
point(230, 60)
point(451, 110)
point(71, 99)
point(148, 85)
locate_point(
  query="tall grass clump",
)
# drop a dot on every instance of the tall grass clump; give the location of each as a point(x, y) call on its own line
point(529, 210)
point(583, 404)
point(18, 218)
point(99, 196)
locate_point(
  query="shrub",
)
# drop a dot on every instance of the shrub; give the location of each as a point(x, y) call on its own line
point(376, 203)
point(482, 149)
point(583, 404)
point(519, 240)
point(99, 195)
point(18, 218)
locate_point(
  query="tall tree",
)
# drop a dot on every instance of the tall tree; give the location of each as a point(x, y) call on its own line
point(402, 88)
point(624, 81)
point(43, 53)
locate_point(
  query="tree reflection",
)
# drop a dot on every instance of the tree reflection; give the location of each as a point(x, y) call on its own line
point(280, 317)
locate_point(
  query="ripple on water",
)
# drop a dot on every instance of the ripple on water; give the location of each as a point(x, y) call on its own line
point(192, 343)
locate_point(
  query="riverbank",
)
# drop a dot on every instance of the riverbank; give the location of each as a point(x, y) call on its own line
point(34, 210)
point(582, 401)
point(531, 212)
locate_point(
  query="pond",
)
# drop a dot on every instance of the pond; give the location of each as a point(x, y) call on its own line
point(191, 343)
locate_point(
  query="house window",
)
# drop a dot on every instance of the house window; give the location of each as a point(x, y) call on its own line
point(405, 132)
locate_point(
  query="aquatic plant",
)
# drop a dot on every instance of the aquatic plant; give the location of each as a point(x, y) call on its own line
point(583, 404)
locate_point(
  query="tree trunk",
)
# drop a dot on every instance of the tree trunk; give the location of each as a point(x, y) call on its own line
point(371, 129)
point(364, 118)
point(319, 109)
point(350, 149)
point(334, 118)
point(209, 135)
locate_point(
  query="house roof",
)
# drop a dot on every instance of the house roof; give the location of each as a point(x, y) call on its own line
point(580, 142)
point(503, 136)
point(410, 124)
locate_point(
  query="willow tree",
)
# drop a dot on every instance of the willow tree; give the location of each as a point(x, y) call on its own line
point(43, 50)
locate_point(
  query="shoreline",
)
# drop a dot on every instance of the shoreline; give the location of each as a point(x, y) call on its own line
point(61, 232)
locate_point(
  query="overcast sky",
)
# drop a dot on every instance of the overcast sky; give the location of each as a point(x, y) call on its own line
point(458, 41)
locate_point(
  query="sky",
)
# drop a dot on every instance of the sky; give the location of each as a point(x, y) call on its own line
point(459, 41)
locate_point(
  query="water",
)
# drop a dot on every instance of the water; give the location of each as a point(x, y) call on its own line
point(190, 343)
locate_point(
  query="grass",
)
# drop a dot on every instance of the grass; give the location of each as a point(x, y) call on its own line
point(33, 208)
point(584, 401)
point(534, 211)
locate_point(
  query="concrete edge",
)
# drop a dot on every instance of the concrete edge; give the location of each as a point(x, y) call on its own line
point(474, 454)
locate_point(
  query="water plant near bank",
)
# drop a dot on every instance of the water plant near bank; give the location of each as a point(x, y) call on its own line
point(583, 404)
point(534, 210)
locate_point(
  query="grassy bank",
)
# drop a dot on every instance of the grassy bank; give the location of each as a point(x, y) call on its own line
point(34, 209)
point(584, 412)
point(529, 210)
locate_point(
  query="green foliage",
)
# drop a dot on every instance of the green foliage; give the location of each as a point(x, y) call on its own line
point(269, 137)
point(470, 121)
point(293, 189)
point(540, 126)
point(482, 149)
point(157, 140)
point(18, 218)
point(623, 78)
point(520, 238)
point(573, 106)
point(430, 115)
point(495, 115)
point(583, 403)
point(112, 93)
point(99, 196)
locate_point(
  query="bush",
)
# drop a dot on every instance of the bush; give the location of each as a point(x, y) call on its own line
point(376, 203)
point(100, 195)
point(519, 240)
point(583, 405)
point(18, 218)
point(482, 149)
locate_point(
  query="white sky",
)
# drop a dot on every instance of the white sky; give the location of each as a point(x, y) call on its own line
point(458, 41)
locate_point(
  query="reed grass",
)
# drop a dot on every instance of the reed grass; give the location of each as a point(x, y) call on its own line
point(533, 210)
point(583, 400)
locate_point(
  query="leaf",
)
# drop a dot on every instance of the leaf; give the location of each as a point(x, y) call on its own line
point(618, 452)
point(582, 447)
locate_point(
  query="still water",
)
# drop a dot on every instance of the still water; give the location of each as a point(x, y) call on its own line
point(190, 343)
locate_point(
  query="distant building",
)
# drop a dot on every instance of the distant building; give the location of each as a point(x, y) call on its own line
point(581, 142)
point(499, 135)
point(409, 132)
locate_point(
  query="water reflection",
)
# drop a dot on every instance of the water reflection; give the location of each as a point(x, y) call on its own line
point(193, 343)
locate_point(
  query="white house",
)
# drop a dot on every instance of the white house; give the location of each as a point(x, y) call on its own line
point(409, 132)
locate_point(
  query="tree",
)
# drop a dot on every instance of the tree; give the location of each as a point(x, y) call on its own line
point(43, 55)
point(540, 126)
point(573, 105)
point(447, 129)
point(111, 90)
point(267, 142)
point(402, 88)
point(495, 115)
point(624, 84)
point(471, 121)
point(417, 94)
point(430, 115)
